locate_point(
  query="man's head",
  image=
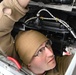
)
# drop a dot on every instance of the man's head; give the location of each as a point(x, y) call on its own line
point(35, 51)
point(27, 43)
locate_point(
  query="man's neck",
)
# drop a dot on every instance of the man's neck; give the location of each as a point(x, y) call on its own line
point(38, 73)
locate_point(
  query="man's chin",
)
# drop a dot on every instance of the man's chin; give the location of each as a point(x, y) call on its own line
point(52, 66)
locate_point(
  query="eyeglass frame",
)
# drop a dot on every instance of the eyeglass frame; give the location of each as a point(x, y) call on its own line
point(47, 45)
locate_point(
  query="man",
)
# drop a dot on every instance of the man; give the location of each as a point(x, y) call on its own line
point(33, 47)
point(37, 55)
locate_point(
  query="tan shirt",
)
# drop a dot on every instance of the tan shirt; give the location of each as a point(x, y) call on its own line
point(7, 21)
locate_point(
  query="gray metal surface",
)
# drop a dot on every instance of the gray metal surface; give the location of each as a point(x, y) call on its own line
point(63, 7)
point(74, 72)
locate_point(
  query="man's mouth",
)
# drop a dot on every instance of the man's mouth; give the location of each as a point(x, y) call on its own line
point(51, 60)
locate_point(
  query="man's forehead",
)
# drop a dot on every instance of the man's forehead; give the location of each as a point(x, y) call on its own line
point(42, 45)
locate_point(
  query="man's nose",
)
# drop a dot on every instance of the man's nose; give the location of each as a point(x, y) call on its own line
point(49, 52)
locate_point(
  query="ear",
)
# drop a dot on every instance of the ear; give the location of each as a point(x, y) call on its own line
point(29, 65)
